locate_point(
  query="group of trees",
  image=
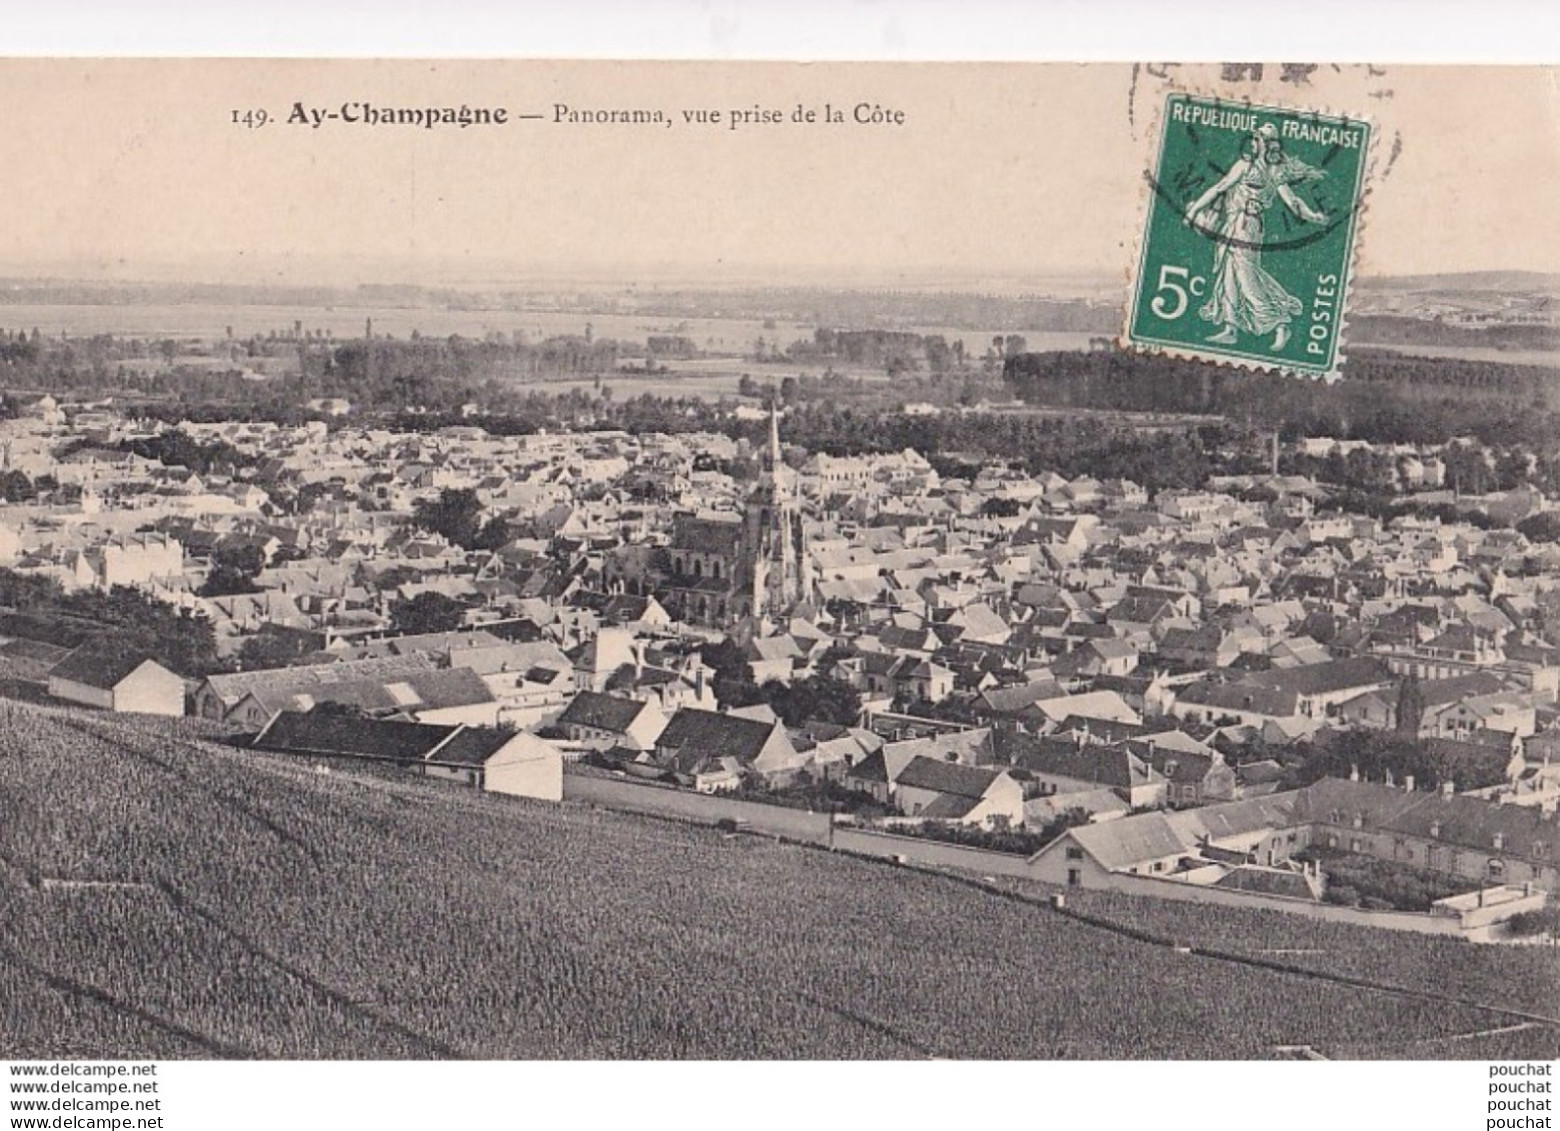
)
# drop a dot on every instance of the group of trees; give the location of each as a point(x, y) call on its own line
point(1376, 754)
point(17, 487)
point(1470, 469)
point(177, 448)
point(1364, 881)
point(1387, 507)
point(432, 371)
point(1384, 397)
point(428, 611)
point(1021, 842)
point(817, 795)
point(234, 567)
point(892, 351)
point(818, 697)
point(1069, 445)
point(119, 620)
point(459, 517)
point(379, 375)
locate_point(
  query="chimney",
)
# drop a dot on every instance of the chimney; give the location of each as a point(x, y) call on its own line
point(1408, 783)
point(1448, 788)
point(1354, 773)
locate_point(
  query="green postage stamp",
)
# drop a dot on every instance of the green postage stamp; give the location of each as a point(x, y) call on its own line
point(1249, 239)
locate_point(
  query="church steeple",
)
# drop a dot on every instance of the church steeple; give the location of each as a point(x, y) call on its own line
point(774, 459)
point(773, 543)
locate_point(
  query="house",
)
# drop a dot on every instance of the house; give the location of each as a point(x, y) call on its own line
point(1374, 710)
point(710, 750)
point(1197, 845)
point(524, 677)
point(1061, 767)
point(1095, 804)
point(1259, 778)
point(1509, 712)
point(496, 761)
point(500, 761)
point(924, 680)
point(1217, 701)
point(122, 682)
point(452, 695)
point(772, 658)
point(1019, 699)
point(596, 660)
point(219, 695)
point(603, 721)
point(969, 795)
point(1106, 656)
point(1142, 615)
point(832, 750)
point(1467, 837)
point(1206, 646)
point(1105, 706)
point(1470, 838)
point(1195, 774)
point(870, 776)
point(1321, 689)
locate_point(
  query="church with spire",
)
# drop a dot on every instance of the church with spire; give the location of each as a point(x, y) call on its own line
point(742, 571)
point(774, 549)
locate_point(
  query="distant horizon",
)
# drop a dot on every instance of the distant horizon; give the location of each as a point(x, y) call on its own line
point(1076, 285)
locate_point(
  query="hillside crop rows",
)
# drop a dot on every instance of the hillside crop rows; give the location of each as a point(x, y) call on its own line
point(1523, 978)
point(285, 913)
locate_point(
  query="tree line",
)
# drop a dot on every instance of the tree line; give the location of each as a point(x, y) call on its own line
point(1383, 397)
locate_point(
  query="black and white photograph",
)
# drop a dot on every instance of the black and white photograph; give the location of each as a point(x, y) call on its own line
point(700, 561)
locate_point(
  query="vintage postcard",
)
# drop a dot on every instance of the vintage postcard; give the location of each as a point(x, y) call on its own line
point(515, 561)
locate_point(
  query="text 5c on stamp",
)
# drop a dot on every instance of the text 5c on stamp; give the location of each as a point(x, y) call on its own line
point(1249, 237)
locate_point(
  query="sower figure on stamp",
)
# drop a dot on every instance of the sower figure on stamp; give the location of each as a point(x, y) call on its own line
point(1242, 296)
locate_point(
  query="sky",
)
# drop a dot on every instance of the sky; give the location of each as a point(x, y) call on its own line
point(135, 169)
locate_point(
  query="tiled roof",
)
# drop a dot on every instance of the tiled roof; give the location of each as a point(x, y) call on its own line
point(1128, 841)
point(947, 777)
point(473, 746)
point(1320, 679)
point(601, 712)
point(330, 733)
point(949, 807)
point(232, 687)
point(96, 666)
point(710, 734)
point(1238, 697)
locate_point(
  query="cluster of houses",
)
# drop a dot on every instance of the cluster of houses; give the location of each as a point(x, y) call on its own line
point(1029, 653)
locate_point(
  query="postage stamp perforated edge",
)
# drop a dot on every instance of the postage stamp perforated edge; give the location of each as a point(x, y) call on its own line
point(1152, 153)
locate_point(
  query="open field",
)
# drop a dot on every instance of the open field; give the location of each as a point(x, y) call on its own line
point(733, 336)
point(163, 897)
point(1473, 353)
